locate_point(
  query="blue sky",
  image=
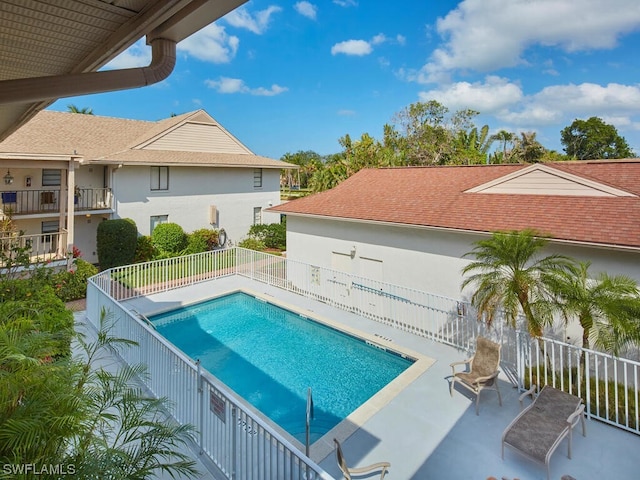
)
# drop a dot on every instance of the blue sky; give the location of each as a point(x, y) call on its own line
point(289, 76)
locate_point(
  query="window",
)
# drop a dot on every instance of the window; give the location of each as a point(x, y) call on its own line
point(51, 226)
point(49, 230)
point(159, 178)
point(157, 220)
point(257, 215)
point(51, 178)
point(257, 178)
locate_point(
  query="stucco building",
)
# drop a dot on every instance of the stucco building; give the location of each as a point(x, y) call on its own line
point(66, 172)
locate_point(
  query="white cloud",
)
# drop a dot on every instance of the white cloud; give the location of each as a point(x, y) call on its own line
point(211, 44)
point(137, 55)
point(401, 39)
point(568, 102)
point(352, 47)
point(491, 96)
point(378, 39)
point(235, 85)
point(485, 35)
point(306, 9)
point(346, 113)
point(553, 105)
point(256, 23)
point(346, 3)
point(550, 106)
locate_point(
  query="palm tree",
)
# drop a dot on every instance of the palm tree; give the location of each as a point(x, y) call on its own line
point(528, 148)
point(505, 138)
point(85, 111)
point(607, 307)
point(58, 409)
point(509, 274)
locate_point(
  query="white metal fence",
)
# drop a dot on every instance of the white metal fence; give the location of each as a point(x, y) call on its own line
point(238, 442)
point(608, 385)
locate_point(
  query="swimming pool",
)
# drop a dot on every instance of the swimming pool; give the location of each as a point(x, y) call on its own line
point(270, 356)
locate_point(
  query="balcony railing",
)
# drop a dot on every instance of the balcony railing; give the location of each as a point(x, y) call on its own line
point(45, 247)
point(23, 202)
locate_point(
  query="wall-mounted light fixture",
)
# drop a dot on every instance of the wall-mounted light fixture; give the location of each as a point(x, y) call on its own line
point(353, 252)
point(8, 178)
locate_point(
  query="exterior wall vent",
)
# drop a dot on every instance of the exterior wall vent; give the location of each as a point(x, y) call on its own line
point(213, 215)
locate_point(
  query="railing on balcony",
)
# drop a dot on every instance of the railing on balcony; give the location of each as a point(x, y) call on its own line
point(45, 247)
point(23, 202)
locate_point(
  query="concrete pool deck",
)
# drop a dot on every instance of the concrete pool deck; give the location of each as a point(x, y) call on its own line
point(422, 430)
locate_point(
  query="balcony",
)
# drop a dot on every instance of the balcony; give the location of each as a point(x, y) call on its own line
point(16, 249)
point(28, 202)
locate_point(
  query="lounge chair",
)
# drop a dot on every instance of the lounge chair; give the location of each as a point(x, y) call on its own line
point(538, 430)
point(483, 370)
point(349, 472)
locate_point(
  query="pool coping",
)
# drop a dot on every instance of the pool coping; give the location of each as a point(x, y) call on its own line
point(356, 419)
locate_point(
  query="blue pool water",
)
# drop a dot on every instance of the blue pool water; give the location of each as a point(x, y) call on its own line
point(270, 356)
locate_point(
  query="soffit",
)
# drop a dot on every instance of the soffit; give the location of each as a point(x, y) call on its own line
point(43, 38)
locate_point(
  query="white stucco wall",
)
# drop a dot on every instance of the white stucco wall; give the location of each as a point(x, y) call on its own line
point(192, 190)
point(425, 259)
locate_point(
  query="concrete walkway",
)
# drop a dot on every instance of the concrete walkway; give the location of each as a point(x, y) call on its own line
point(423, 431)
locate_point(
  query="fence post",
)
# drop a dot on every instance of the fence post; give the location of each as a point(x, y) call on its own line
point(234, 433)
point(519, 360)
point(201, 406)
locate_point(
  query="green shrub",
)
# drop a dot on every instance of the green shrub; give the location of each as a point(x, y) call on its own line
point(35, 302)
point(196, 244)
point(273, 235)
point(169, 238)
point(72, 284)
point(117, 240)
point(252, 244)
point(145, 251)
point(209, 235)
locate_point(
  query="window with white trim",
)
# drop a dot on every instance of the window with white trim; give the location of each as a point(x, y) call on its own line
point(159, 178)
point(257, 178)
point(157, 220)
point(257, 215)
point(51, 177)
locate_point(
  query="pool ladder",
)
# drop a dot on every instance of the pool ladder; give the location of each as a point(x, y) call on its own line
point(144, 319)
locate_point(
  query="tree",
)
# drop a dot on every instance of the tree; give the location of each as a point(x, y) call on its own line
point(508, 273)
point(428, 132)
point(63, 410)
point(84, 111)
point(527, 148)
point(506, 139)
point(607, 307)
point(472, 146)
point(308, 161)
point(594, 139)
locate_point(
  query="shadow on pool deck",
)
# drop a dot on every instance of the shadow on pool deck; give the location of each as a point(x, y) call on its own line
point(427, 434)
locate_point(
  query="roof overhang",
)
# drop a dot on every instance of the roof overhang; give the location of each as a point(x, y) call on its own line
point(603, 246)
point(42, 39)
point(35, 160)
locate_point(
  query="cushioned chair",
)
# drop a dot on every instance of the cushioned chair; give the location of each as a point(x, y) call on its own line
point(360, 471)
point(540, 428)
point(482, 371)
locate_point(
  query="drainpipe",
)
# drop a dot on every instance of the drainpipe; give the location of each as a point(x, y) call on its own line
point(24, 90)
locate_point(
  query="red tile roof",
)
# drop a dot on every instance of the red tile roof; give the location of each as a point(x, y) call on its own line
point(435, 197)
